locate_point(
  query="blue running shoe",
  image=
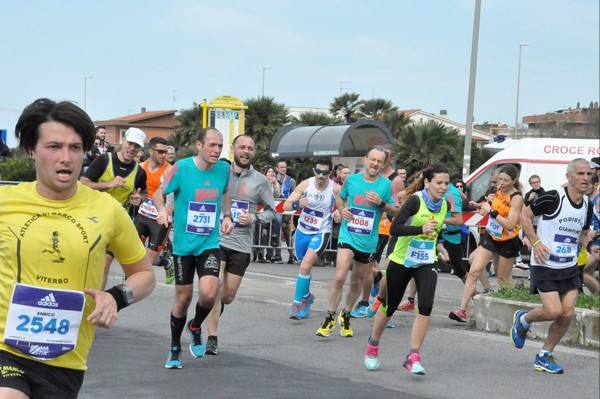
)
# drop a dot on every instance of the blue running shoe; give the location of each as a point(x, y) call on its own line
point(375, 289)
point(305, 306)
point(295, 311)
point(390, 324)
point(174, 361)
point(518, 333)
point(360, 310)
point(197, 348)
point(546, 363)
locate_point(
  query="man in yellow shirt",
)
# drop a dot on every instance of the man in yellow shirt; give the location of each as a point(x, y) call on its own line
point(54, 233)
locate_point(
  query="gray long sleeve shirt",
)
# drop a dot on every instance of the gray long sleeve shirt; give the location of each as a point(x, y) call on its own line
point(248, 191)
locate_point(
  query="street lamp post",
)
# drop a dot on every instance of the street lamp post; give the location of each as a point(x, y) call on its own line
point(518, 86)
point(85, 91)
point(263, 80)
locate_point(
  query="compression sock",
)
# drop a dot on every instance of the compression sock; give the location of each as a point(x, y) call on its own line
point(177, 326)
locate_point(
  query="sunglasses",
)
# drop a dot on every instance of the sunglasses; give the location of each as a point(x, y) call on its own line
point(321, 171)
point(161, 152)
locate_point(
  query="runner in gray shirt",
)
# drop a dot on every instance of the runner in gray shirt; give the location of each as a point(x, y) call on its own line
point(249, 189)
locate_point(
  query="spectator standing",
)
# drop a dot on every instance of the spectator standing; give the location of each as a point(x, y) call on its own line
point(288, 184)
point(267, 236)
point(104, 146)
point(536, 190)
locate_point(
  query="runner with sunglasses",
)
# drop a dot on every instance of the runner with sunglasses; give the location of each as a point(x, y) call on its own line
point(150, 231)
point(316, 197)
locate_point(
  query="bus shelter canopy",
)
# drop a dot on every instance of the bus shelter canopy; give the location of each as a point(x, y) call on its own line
point(351, 140)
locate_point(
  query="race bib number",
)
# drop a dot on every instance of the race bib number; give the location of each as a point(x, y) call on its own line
point(494, 228)
point(237, 208)
point(43, 323)
point(148, 209)
point(362, 222)
point(419, 252)
point(201, 218)
point(311, 220)
point(564, 249)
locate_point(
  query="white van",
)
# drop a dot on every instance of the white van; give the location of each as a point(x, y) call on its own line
point(547, 158)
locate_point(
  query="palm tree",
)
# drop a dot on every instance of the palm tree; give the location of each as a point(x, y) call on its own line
point(396, 122)
point(346, 104)
point(428, 143)
point(264, 118)
point(376, 108)
point(315, 119)
point(190, 122)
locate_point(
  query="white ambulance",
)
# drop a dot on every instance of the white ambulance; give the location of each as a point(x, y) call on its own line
point(547, 158)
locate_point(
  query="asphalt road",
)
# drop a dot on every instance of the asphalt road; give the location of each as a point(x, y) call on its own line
point(263, 354)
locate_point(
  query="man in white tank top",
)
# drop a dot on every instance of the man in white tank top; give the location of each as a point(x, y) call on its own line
point(566, 216)
point(316, 198)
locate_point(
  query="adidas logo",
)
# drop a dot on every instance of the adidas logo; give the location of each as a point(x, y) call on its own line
point(234, 205)
point(39, 350)
point(312, 213)
point(361, 213)
point(207, 183)
point(203, 208)
point(48, 300)
point(422, 246)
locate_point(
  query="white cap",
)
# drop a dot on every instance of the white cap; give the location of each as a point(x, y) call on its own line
point(135, 135)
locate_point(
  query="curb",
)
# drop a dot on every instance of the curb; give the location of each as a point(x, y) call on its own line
point(496, 315)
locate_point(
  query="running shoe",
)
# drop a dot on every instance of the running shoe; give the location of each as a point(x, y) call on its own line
point(345, 327)
point(292, 260)
point(546, 363)
point(413, 364)
point(390, 324)
point(295, 311)
point(375, 289)
point(277, 260)
point(197, 348)
point(372, 357)
point(372, 310)
point(488, 290)
point(521, 265)
point(458, 315)
point(518, 333)
point(360, 310)
point(305, 306)
point(407, 306)
point(327, 326)
point(211, 345)
point(169, 271)
point(174, 361)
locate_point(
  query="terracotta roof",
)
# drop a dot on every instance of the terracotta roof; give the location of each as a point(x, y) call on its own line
point(142, 116)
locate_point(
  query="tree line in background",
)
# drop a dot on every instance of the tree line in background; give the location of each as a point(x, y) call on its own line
point(417, 145)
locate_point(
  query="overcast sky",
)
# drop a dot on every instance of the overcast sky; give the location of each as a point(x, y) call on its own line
point(168, 54)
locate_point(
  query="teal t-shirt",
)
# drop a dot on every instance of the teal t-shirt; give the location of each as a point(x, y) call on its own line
point(454, 201)
point(363, 232)
point(197, 205)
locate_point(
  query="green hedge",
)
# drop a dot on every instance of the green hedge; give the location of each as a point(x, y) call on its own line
point(522, 294)
point(17, 169)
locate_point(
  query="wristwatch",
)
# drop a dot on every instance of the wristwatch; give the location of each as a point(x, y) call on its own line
point(126, 293)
